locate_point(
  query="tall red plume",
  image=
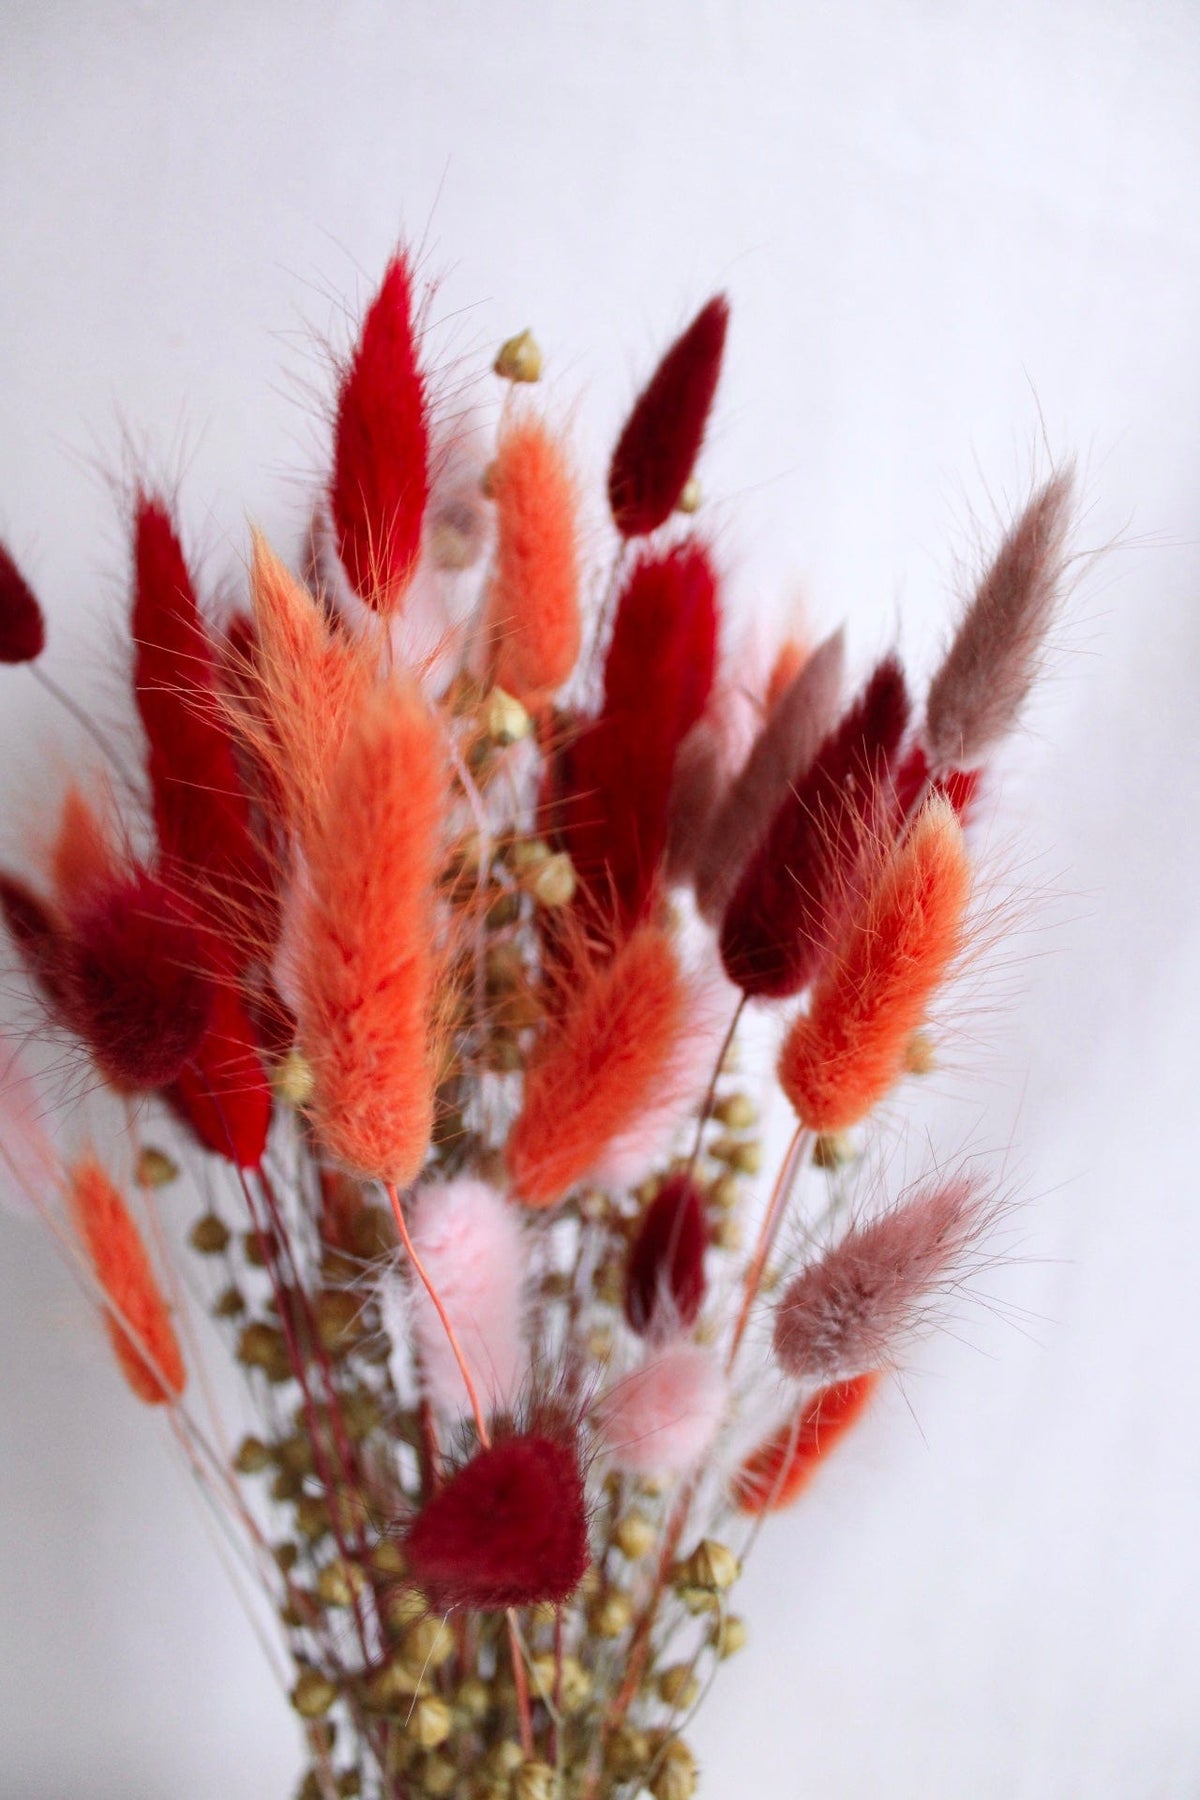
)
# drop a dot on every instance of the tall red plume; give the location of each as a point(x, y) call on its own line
point(508, 1529)
point(665, 1281)
point(615, 780)
point(657, 450)
point(200, 811)
point(380, 485)
point(222, 1092)
point(22, 625)
point(790, 897)
point(777, 1473)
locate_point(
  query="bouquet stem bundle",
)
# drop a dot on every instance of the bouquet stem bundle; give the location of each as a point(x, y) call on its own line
point(426, 947)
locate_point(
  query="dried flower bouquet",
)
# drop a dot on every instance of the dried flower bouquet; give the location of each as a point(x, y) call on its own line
point(426, 931)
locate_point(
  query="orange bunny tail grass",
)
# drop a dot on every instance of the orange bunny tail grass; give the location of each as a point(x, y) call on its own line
point(83, 857)
point(599, 1063)
point(363, 938)
point(136, 1316)
point(842, 1056)
point(304, 683)
point(532, 608)
point(775, 1475)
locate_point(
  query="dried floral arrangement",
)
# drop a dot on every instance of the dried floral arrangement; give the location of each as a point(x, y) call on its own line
point(427, 929)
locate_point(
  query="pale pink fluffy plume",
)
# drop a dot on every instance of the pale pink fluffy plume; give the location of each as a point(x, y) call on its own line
point(855, 1307)
point(30, 1171)
point(976, 695)
point(470, 1240)
point(680, 1088)
point(663, 1417)
point(778, 760)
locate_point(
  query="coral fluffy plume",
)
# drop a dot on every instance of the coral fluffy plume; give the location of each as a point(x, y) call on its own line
point(847, 1051)
point(509, 1528)
point(657, 449)
point(362, 939)
point(852, 1309)
point(791, 896)
point(136, 1316)
point(471, 1244)
point(978, 692)
point(532, 605)
point(380, 485)
point(776, 1474)
point(22, 625)
point(599, 1062)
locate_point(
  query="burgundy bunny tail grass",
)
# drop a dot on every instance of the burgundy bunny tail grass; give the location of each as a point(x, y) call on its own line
point(665, 1281)
point(36, 932)
point(786, 907)
point(977, 694)
point(380, 485)
point(855, 1307)
point(657, 449)
point(22, 623)
point(509, 1528)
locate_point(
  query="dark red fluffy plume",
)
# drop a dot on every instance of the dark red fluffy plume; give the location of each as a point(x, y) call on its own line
point(509, 1529)
point(380, 484)
point(657, 450)
point(796, 885)
point(222, 1092)
point(913, 780)
point(200, 811)
point(22, 626)
point(616, 778)
point(665, 1282)
point(135, 983)
point(36, 934)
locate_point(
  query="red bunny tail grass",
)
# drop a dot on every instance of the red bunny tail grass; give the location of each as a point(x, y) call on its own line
point(657, 450)
point(304, 684)
point(364, 939)
point(37, 934)
point(22, 624)
point(780, 758)
point(597, 1064)
point(136, 981)
point(785, 907)
point(222, 1093)
point(842, 1056)
point(509, 1528)
point(853, 1309)
point(977, 694)
point(914, 780)
point(83, 857)
point(617, 777)
point(200, 811)
point(665, 1281)
point(380, 485)
point(532, 606)
point(777, 1473)
point(136, 1316)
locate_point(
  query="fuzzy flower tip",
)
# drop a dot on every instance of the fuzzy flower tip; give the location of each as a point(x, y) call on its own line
point(22, 625)
point(532, 604)
point(663, 1417)
point(380, 484)
point(136, 1316)
point(509, 1528)
point(854, 1308)
point(775, 1475)
point(665, 1281)
point(471, 1243)
point(363, 937)
point(658, 447)
point(842, 1056)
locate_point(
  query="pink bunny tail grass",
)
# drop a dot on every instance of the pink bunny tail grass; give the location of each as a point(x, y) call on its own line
point(658, 447)
point(22, 624)
point(364, 963)
point(663, 1418)
point(472, 1244)
point(30, 1171)
point(856, 1307)
point(977, 694)
point(779, 760)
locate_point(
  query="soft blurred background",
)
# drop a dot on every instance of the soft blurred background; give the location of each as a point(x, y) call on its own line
point(959, 241)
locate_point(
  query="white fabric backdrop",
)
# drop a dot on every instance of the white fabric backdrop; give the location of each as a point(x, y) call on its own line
point(946, 231)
